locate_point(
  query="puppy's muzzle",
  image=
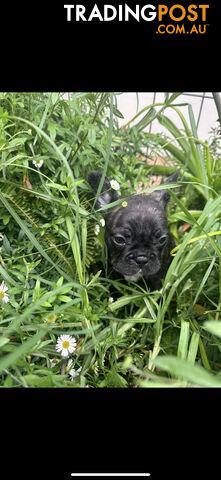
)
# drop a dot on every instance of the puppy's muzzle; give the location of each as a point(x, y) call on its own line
point(141, 259)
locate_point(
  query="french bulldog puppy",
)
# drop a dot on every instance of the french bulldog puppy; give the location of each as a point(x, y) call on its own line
point(137, 236)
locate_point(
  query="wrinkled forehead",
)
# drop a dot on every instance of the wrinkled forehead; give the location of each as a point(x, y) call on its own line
point(138, 214)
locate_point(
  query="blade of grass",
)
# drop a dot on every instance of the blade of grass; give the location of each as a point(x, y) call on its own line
point(108, 150)
point(21, 350)
point(43, 117)
point(60, 155)
point(124, 300)
point(182, 368)
point(183, 340)
point(193, 348)
point(213, 327)
point(84, 245)
point(174, 130)
point(7, 277)
point(31, 237)
point(200, 157)
point(204, 280)
point(16, 320)
point(168, 145)
point(75, 248)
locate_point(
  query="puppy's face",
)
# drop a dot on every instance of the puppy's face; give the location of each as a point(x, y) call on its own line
point(137, 236)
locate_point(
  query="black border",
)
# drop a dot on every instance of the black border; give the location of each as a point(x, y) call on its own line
point(50, 433)
point(42, 51)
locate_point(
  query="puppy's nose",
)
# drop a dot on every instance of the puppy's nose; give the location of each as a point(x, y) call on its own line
point(141, 259)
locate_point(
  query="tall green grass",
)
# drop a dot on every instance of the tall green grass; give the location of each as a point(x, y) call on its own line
point(51, 259)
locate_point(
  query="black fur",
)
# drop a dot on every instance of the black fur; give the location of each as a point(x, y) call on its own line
point(137, 236)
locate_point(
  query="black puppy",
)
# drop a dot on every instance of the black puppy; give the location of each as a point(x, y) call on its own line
point(137, 236)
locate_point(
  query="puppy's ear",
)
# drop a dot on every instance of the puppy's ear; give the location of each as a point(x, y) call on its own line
point(105, 196)
point(163, 196)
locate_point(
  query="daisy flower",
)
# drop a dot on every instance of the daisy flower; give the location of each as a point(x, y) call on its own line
point(4, 296)
point(38, 163)
point(66, 345)
point(110, 299)
point(115, 185)
point(73, 373)
point(96, 229)
point(102, 222)
point(53, 362)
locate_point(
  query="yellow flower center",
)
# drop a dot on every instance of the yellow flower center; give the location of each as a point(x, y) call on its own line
point(66, 344)
point(2, 294)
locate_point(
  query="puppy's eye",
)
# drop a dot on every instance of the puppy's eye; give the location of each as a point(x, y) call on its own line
point(157, 234)
point(119, 240)
point(162, 239)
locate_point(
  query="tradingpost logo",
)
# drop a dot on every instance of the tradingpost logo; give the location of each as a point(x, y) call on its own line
point(176, 19)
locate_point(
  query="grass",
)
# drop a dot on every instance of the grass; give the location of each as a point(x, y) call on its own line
point(51, 259)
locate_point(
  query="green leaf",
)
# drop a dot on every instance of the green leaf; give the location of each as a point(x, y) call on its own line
point(147, 118)
point(52, 129)
point(91, 135)
point(31, 237)
point(116, 112)
point(113, 379)
point(64, 298)
point(54, 97)
point(193, 348)
point(15, 142)
point(57, 186)
point(3, 341)
point(213, 327)
point(21, 350)
point(183, 369)
point(16, 320)
point(8, 279)
point(122, 301)
point(75, 248)
point(60, 282)
point(183, 340)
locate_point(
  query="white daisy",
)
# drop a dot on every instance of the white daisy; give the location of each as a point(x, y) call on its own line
point(73, 373)
point(38, 163)
point(102, 222)
point(70, 361)
point(4, 296)
point(96, 229)
point(53, 362)
point(115, 185)
point(110, 299)
point(66, 345)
